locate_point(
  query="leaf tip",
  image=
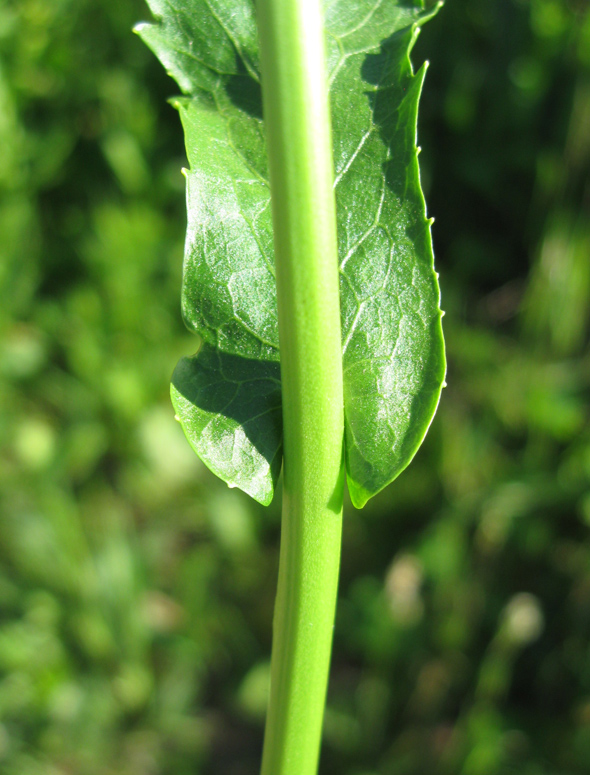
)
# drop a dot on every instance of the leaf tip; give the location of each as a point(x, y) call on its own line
point(358, 494)
point(264, 500)
point(262, 491)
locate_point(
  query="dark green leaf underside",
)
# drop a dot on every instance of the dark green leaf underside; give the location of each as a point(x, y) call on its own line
point(228, 396)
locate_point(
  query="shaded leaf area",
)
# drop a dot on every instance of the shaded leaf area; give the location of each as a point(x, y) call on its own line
point(393, 352)
point(224, 399)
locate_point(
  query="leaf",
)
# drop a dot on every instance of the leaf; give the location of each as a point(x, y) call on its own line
point(232, 406)
point(393, 350)
point(228, 396)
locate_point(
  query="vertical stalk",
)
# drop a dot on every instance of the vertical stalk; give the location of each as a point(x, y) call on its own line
point(297, 120)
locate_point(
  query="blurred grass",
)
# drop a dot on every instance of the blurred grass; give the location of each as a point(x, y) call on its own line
point(136, 591)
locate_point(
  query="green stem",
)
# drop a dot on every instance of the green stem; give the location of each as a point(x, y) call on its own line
point(297, 120)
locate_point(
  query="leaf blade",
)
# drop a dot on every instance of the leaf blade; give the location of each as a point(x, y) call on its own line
point(221, 400)
point(393, 350)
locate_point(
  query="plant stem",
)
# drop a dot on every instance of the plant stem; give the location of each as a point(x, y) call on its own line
point(297, 121)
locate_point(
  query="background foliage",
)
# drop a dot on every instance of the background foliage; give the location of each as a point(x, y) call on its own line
point(136, 591)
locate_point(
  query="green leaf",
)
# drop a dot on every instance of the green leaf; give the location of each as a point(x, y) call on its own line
point(228, 396)
point(232, 406)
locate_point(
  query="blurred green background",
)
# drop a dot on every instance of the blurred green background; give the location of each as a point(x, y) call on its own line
point(136, 591)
